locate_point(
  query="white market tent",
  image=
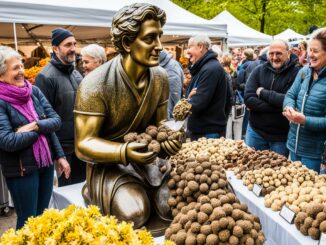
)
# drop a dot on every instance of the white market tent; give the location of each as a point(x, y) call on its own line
point(289, 35)
point(240, 34)
point(90, 20)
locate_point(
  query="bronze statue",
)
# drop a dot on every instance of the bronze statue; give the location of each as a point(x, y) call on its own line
point(126, 95)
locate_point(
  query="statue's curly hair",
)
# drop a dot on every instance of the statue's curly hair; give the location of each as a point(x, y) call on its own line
point(127, 21)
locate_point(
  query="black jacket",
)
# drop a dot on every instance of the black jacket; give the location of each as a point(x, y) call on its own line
point(59, 83)
point(266, 111)
point(209, 104)
point(16, 149)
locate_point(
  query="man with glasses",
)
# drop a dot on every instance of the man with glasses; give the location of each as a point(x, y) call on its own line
point(264, 95)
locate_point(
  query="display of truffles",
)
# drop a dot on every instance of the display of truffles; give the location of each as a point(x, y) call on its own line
point(206, 212)
point(224, 152)
point(299, 194)
point(181, 110)
point(270, 178)
point(252, 160)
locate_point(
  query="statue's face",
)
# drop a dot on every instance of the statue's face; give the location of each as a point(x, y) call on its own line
point(146, 48)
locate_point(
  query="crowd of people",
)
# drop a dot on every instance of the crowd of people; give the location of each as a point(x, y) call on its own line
point(273, 98)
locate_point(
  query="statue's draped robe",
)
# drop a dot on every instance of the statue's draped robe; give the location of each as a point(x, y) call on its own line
point(108, 92)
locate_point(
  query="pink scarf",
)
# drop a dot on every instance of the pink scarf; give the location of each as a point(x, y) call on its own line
point(21, 99)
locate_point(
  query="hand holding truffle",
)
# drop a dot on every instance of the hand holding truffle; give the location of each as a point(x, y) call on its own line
point(134, 155)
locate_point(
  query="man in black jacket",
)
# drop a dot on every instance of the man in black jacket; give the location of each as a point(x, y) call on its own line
point(207, 91)
point(59, 81)
point(264, 95)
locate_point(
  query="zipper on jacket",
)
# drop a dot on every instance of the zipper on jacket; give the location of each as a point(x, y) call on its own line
point(298, 128)
point(22, 169)
point(271, 88)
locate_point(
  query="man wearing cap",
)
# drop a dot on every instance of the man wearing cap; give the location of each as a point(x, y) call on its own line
point(59, 81)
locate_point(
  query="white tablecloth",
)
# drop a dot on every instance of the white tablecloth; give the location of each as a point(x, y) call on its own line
point(70, 194)
point(277, 231)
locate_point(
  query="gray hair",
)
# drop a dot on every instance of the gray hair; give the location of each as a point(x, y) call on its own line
point(7, 53)
point(285, 43)
point(320, 35)
point(95, 51)
point(202, 40)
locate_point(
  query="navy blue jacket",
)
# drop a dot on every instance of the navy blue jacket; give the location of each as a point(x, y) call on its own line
point(266, 110)
point(209, 104)
point(16, 149)
point(241, 79)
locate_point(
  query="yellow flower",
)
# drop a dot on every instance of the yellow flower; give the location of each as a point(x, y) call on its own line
point(76, 225)
point(145, 237)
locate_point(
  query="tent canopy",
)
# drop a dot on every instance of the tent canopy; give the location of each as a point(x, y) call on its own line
point(90, 20)
point(289, 35)
point(240, 34)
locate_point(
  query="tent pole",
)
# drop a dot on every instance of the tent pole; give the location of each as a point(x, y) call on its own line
point(15, 36)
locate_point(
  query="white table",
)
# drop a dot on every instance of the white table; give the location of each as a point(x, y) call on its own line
point(66, 195)
point(277, 231)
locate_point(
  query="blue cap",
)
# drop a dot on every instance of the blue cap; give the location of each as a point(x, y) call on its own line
point(60, 34)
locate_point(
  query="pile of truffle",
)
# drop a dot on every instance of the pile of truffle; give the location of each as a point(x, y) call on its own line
point(224, 152)
point(181, 110)
point(204, 210)
point(298, 195)
point(251, 160)
point(312, 221)
point(153, 136)
point(271, 178)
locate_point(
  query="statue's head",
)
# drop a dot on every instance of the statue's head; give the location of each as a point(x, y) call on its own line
point(129, 21)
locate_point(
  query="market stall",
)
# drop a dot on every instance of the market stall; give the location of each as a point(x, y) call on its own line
point(239, 34)
point(90, 21)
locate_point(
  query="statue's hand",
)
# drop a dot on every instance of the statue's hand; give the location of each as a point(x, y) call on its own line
point(171, 147)
point(133, 153)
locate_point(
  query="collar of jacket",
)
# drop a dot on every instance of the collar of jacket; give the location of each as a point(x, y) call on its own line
point(202, 61)
point(60, 66)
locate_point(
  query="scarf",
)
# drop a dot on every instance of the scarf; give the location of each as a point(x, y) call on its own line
point(20, 98)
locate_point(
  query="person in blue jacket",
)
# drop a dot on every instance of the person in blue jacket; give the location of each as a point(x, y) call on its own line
point(175, 76)
point(28, 144)
point(305, 106)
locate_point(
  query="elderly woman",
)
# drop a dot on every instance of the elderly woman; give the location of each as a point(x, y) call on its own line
point(93, 56)
point(28, 144)
point(304, 106)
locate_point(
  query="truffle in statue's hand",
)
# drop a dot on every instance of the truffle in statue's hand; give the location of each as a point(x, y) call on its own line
point(171, 147)
point(137, 153)
point(181, 110)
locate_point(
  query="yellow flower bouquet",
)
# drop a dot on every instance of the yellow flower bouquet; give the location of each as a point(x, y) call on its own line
point(76, 225)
